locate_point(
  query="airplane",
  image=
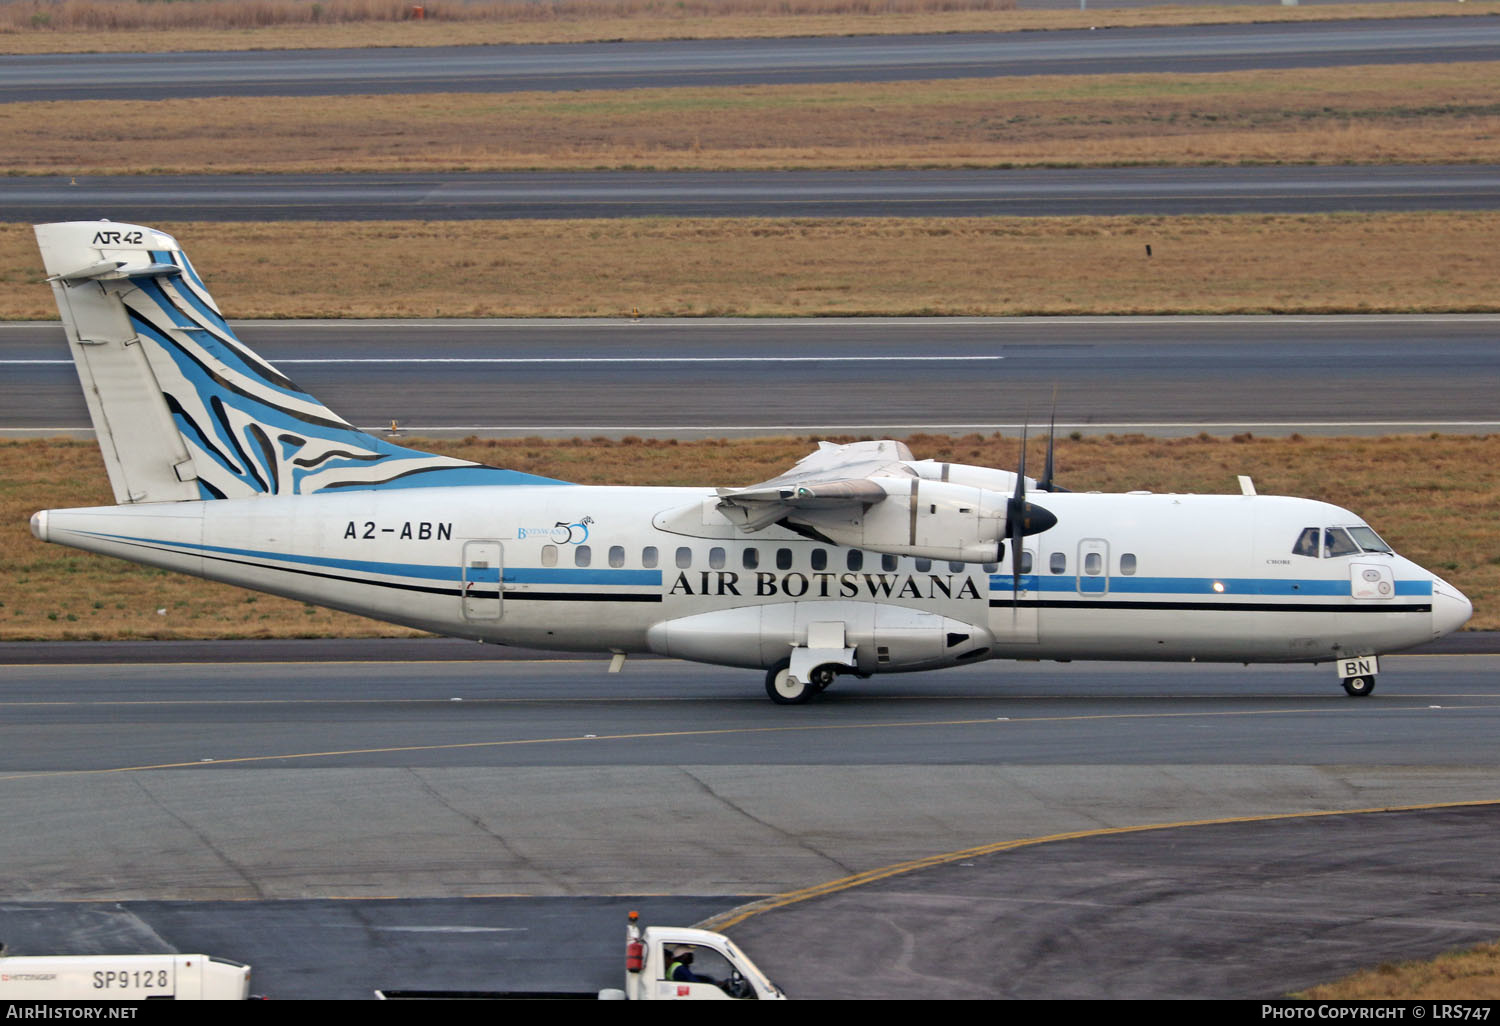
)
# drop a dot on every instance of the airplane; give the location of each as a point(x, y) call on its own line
point(860, 559)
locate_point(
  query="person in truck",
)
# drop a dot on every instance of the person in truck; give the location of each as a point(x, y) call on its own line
point(680, 969)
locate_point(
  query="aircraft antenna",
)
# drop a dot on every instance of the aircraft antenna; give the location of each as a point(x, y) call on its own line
point(1046, 484)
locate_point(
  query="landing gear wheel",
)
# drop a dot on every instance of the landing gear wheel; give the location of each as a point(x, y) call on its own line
point(823, 676)
point(1359, 687)
point(785, 691)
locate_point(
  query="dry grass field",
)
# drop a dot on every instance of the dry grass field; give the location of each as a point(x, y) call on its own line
point(81, 26)
point(1472, 975)
point(1414, 113)
point(1356, 263)
point(1431, 497)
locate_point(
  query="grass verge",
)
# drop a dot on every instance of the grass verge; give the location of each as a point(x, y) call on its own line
point(1328, 263)
point(1431, 497)
point(1413, 113)
point(128, 26)
point(1472, 975)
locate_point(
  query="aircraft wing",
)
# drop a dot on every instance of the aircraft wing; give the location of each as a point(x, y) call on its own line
point(834, 478)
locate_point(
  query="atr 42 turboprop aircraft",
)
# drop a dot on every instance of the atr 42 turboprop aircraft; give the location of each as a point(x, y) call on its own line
point(860, 559)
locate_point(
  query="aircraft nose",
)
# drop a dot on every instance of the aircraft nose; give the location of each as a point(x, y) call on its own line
point(1451, 608)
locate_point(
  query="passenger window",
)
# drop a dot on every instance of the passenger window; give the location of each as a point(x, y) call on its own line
point(856, 560)
point(648, 557)
point(1127, 563)
point(955, 567)
point(783, 559)
point(887, 563)
point(617, 555)
point(684, 558)
point(1336, 542)
point(820, 559)
point(751, 559)
point(716, 558)
point(1058, 562)
point(924, 565)
point(991, 568)
point(1025, 561)
point(1307, 543)
point(582, 554)
point(549, 555)
point(1093, 564)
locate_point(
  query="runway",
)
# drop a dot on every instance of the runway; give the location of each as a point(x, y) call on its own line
point(1052, 192)
point(711, 377)
point(1173, 49)
point(228, 803)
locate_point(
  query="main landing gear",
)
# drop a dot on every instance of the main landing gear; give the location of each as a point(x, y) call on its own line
point(786, 691)
point(1359, 687)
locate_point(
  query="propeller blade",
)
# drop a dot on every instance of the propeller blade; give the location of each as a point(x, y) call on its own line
point(1014, 514)
point(1020, 493)
point(1023, 518)
point(1015, 563)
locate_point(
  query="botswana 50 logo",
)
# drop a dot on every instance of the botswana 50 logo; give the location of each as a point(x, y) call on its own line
point(560, 533)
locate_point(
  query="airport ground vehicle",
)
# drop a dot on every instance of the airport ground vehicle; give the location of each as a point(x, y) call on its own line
point(122, 978)
point(721, 971)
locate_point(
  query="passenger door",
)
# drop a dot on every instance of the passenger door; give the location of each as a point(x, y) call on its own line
point(481, 580)
point(1093, 566)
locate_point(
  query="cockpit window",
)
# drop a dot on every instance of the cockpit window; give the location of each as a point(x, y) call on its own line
point(1368, 540)
point(1307, 543)
point(1336, 542)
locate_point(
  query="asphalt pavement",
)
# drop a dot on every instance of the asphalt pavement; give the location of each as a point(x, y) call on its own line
point(1046, 192)
point(712, 378)
point(624, 65)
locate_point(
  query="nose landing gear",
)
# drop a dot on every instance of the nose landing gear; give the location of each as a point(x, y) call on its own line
point(1357, 674)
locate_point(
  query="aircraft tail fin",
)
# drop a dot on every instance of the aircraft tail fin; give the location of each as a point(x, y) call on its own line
point(182, 408)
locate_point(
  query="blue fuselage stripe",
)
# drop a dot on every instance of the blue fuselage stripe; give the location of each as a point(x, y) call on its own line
point(1000, 584)
point(422, 571)
point(1123, 585)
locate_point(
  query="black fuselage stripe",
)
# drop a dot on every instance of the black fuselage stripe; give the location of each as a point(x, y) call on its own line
point(1214, 607)
point(562, 596)
point(581, 596)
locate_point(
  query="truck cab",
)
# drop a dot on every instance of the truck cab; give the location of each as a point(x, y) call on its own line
point(716, 970)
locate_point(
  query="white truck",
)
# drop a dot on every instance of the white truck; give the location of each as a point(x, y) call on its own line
point(723, 970)
point(662, 963)
point(122, 978)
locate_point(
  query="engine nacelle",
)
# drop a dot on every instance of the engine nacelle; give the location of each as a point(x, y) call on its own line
point(934, 519)
point(965, 474)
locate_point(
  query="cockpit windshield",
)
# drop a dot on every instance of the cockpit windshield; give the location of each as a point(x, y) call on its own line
point(1307, 543)
point(1368, 540)
point(1337, 541)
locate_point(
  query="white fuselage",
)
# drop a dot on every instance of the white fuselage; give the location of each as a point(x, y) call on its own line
point(1134, 576)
